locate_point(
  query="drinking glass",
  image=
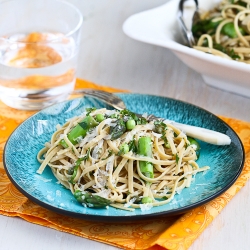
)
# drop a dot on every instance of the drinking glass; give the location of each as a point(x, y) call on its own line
point(39, 43)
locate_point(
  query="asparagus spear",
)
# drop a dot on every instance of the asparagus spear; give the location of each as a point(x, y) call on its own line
point(80, 129)
point(144, 148)
point(147, 168)
point(94, 201)
point(118, 130)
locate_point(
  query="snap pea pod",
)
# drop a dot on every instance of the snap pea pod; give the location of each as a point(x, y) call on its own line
point(144, 148)
point(80, 129)
point(90, 200)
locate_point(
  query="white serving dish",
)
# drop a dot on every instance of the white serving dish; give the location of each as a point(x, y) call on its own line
point(159, 26)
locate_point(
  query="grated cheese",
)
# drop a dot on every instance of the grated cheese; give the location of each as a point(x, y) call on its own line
point(146, 207)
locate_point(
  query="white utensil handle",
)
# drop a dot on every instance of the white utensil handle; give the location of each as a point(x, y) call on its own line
point(203, 134)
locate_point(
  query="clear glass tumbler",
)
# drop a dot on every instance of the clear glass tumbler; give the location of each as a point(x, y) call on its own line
point(39, 43)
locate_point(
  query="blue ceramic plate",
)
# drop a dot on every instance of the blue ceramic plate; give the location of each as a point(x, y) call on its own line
point(226, 162)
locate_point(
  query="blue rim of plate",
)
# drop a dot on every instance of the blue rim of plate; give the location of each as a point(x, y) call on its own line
point(139, 103)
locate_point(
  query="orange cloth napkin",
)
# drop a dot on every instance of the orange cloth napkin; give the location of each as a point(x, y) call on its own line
point(177, 232)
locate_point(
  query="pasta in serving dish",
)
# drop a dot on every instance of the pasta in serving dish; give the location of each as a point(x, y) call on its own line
point(225, 30)
point(117, 158)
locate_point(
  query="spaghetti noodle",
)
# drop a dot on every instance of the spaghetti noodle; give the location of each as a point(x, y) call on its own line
point(117, 158)
point(225, 31)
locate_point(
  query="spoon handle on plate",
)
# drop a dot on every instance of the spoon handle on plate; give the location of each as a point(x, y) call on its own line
point(203, 134)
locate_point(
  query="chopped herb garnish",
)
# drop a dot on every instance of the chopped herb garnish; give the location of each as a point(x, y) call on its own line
point(177, 158)
point(141, 121)
point(160, 126)
point(113, 116)
point(77, 164)
point(132, 146)
point(123, 149)
point(164, 138)
point(89, 110)
point(127, 114)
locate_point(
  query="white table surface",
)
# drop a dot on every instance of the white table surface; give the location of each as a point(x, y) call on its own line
point(109, 57)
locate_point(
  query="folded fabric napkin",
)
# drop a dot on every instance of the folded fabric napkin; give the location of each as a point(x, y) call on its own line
point(177, 232)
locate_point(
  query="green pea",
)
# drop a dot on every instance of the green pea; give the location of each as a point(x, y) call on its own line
point(130, 124)
point(146, 200)
point(99, 117)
